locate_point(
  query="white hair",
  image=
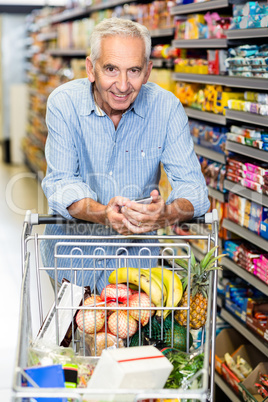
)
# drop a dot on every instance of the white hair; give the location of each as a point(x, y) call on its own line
point(118, 27)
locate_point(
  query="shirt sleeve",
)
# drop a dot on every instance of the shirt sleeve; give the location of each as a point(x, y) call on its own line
point(181, 164)
point(62, 185)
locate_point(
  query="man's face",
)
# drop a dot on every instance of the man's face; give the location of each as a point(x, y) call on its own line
point(119, 72)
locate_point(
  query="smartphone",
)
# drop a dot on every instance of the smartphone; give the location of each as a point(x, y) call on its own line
point(146, 200)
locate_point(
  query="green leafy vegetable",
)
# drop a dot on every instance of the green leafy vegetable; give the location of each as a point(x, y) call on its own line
point(185, 366)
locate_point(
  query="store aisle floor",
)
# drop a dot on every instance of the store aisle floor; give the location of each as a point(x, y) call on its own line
point(20, 191)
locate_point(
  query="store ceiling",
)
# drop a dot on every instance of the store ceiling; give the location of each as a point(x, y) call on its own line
point(26, 6)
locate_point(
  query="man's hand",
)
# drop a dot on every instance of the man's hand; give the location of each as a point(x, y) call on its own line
point(129, 217)
point(114, 216)
point(142, 218)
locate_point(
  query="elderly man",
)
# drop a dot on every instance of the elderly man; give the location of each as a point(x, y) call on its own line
point(107, 136)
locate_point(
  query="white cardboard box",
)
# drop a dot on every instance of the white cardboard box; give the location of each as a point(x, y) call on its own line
point(141, 367)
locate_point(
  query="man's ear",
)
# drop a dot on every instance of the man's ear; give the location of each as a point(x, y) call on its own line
point(148, 72)
point(89, 69)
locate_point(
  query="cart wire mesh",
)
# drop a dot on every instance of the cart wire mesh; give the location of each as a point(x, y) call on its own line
point(170, 248)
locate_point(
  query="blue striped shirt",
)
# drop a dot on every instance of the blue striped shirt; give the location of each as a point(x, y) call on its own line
point(88, 158)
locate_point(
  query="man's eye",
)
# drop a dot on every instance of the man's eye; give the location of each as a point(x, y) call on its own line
point(135, 70)
point(110, 70)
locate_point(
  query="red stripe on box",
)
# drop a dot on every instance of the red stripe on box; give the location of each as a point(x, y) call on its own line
point(139, 358)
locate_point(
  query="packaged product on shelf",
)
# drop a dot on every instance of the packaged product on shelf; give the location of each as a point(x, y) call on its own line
point(195, 27)
point(253, 138)
point(212, 173)
point(244, 51)
point(240, 368)
point(209, 98)
point(217, 26)
point(252, 388)
point(261, 267)
point(216, 62)
point(253, 177)
point(256, 97)
point(252, 8)
point(238, 296)
point(223, 98)
point(191, 66)
point(249, 22)
point(264, 229)
point(227, 341)
point(256, 312)
point(187, 93)
point(164, 52)
point(250, 107)
point(211, 136)
point(162, 77)
point(248, 60)
point(180, 23)
point(247, 353)
point(81, 30)
point(251, 185)
point(222, 213)
point(259, 167)
point(195, 127)
point(249, 15)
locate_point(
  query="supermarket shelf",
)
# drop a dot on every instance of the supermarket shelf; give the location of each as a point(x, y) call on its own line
point(156, 33)
point(247, 151)
point(247, 33)
point(226, 388)
point(246, 192)
point(198, 7)
point(247, 333)
point(107, 4)
point(162, 63)
point(236, 82)
point(247, 276)
point(200, 43)
point(206, 116)
point(216, 194)
point(67, 52)
point(42, 37)
point(246, 234)
point(247, 117)
point(69, 15)
point(209, 153)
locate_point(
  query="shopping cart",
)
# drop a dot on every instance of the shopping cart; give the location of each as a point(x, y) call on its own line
point(171, 248)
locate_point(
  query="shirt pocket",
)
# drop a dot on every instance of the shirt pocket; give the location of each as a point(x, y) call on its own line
point(143, 153)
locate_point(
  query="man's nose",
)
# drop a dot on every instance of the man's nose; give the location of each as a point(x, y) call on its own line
point(122, 83)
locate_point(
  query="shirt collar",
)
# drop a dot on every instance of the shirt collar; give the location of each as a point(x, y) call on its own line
point(88, 105)
point(138, 104)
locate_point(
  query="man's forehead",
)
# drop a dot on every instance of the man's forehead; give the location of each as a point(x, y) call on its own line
point(117, 50)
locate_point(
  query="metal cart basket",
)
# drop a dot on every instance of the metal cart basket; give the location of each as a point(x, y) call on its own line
point(170, 248)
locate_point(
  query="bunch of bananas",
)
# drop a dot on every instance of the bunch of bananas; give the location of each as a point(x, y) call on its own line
point(162, 285)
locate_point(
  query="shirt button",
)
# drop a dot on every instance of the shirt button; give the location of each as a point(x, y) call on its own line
point(110, 173)
point(106, 227)
point(99, 262)
point(143, 154)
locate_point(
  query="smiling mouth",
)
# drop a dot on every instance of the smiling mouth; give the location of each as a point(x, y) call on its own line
point(120, 96)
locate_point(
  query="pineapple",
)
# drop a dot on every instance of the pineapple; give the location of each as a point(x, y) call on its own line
point(198, 289)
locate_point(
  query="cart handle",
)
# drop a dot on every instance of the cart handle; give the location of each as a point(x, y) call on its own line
point(43, 219)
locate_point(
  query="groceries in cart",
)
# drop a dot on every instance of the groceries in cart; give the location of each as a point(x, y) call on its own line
point(121, 333)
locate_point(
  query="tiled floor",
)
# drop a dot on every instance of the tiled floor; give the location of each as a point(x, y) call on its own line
point(20, 191)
